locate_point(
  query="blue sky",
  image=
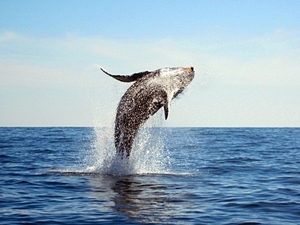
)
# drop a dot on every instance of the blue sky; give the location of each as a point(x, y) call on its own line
point(246, 55)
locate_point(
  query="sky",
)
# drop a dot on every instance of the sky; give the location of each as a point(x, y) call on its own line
point(246, 56)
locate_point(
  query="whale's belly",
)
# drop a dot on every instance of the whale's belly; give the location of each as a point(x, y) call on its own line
point(135, 107)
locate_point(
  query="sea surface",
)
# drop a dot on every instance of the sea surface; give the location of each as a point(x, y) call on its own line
point(60, 175)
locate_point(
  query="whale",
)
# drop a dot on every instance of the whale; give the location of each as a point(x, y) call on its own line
point(151, 91)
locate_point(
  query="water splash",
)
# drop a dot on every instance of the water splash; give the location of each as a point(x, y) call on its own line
point(149, 154)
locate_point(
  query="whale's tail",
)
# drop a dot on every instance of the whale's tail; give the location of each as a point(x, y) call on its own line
point(127, 78)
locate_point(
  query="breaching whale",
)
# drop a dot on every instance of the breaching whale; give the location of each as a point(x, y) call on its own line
point(151, 91)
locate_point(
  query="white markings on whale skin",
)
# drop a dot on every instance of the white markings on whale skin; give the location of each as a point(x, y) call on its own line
point(150, 92)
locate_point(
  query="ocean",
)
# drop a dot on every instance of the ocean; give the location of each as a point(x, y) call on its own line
point(64, 175)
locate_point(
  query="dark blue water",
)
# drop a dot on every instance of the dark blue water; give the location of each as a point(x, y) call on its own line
point(205, 176)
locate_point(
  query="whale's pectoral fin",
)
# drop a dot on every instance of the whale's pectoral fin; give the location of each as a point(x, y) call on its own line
point(166, 108)
point(127, 78)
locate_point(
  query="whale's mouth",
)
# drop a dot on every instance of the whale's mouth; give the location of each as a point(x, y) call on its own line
point(189, 69)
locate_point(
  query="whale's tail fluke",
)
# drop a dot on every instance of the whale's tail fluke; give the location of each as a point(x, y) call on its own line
point(127, 78)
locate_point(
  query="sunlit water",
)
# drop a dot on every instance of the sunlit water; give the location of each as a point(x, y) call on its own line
point(175, 176)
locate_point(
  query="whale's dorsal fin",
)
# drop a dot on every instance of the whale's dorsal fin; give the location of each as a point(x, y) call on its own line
point(127, 78)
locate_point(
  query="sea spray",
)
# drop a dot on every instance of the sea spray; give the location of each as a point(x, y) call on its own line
point(149, 153)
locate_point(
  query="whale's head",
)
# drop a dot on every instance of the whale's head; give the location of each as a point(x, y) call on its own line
point(176, 78)
point(183, 75)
